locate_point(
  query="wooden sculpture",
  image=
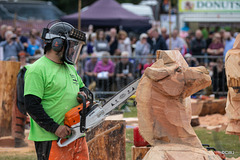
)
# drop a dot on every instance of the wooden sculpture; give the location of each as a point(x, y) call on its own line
point(163, 114)
point(232, 65)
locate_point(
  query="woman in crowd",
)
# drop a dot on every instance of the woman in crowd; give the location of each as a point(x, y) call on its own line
point(124, 43)
point(101, 44)
point(142, 48)
point(32, 45)
point(90, 43)
point(104, 71)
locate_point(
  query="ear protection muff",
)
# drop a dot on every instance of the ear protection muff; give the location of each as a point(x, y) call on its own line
point(57, 44)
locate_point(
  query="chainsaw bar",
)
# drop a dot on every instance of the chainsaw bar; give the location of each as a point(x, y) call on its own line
point(98, 113)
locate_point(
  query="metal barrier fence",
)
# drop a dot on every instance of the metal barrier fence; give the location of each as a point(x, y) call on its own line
point(103, 86)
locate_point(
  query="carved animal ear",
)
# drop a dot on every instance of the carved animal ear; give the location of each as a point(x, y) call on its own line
point(156, 74)
point(236, 44)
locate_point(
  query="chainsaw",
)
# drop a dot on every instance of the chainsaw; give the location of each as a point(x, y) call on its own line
point(88, 115)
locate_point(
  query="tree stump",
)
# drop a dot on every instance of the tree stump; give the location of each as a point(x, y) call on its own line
point(8, 79)
point(107, 141)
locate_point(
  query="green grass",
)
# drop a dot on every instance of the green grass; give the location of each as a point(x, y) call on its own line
point(220, 141)
point(129, 143)
point(133, 109)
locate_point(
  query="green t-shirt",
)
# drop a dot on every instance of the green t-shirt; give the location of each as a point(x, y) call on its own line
point(57, 85)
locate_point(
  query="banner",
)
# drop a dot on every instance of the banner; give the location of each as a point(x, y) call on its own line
point(209, 5)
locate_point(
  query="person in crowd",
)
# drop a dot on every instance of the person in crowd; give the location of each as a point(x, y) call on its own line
point(198, 45)
point(23, 39)
point(177, 43)
point(36, 34)
point(89, 68)
point(101, 44)
point(124, 43)
point(10, 28)
point(187, 45)
point(164, 33)
point(229, 41)
point(216, 48)
point(124, 71)
point(221, 32)
point(112, 40)
point(156, 41)
point(219, 78)
point(133, 40)
point(37, 54)
point(11, 46)
point(22, 56)
point(191, 61)
point(32, 45)
point(90, 43)
point(90, 31)
point(3, 31)
point(209, 39)
point(142, 48)
point(104, 72)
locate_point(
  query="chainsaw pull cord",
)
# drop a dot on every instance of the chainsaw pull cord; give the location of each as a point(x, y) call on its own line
point(83, 114)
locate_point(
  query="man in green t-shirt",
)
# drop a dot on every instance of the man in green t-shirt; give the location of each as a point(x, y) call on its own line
point(51, 88)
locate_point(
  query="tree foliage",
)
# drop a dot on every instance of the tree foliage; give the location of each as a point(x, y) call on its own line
point(71, 6)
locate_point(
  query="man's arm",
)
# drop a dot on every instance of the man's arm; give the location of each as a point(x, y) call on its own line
point(37, 113)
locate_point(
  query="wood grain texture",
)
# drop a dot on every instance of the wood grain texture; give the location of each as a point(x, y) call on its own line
point(232, 65)
point(110, 146)
point(138, 153)
point(164, 116)
point(8, 77)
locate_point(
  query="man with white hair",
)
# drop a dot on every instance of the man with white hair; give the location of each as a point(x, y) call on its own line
point(124, 71)
point(11, 46)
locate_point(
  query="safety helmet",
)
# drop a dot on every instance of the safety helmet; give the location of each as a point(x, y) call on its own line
point(63, 35)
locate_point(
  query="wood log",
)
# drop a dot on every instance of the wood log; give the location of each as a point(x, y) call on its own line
point(196, 106)
point(213, 106)
point(138, 153)
point(7, 141)
point(107, 140)
point(8, 79)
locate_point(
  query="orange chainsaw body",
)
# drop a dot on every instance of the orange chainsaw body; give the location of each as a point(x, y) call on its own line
point(72, 117)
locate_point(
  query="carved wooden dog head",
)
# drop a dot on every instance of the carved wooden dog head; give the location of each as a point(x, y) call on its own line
point(174, 80)
point(162, 115)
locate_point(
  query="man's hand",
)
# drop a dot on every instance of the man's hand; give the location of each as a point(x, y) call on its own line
point(79, 99)
point(63, 131)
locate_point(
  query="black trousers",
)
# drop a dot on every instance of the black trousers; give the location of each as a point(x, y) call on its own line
point(43, 149)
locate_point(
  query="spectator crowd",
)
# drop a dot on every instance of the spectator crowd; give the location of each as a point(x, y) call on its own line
point(112, 58)
point(16, 46)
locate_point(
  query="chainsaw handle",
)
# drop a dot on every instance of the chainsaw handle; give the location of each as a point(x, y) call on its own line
point(83, 114)
point(75, 135)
